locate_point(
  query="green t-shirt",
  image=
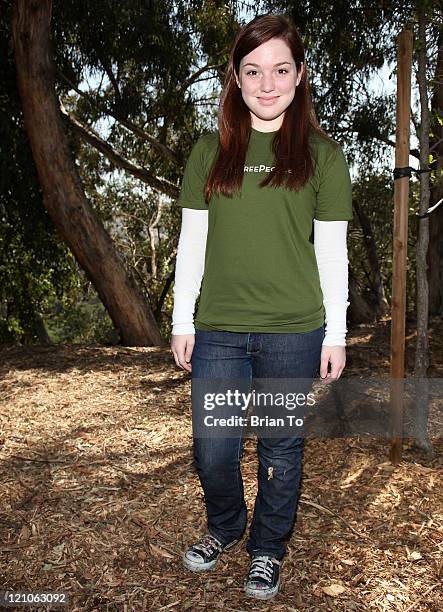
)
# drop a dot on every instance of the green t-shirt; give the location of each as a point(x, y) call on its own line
point(260, 270)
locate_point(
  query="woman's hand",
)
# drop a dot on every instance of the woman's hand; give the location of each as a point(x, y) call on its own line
point(336, 356)
point(182, 346)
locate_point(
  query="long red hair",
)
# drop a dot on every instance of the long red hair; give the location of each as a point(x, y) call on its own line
point(290, 145)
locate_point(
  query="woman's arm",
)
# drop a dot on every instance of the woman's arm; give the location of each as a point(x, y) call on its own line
point(189, 268)
point(332, 260)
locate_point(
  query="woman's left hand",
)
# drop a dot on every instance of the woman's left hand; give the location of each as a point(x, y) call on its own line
point(336, 356)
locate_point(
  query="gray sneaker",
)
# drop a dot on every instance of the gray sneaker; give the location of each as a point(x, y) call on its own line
point(204, 554)
point(263, 581)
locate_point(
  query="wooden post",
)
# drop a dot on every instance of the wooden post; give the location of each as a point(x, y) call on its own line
point(400, 242)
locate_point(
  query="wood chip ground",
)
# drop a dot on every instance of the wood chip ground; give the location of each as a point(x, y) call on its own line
point(99, 495)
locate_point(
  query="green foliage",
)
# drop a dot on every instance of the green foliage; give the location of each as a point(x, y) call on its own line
point(142, 51)
point(81, 321)
point(35, 265)
point(135, 57)
point(374, 193)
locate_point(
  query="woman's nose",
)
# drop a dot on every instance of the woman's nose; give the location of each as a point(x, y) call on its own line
point(267, 82)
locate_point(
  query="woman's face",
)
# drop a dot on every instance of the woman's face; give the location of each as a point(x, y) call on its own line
point(268, 78)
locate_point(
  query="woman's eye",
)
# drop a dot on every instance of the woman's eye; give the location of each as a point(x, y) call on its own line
point(254, 72)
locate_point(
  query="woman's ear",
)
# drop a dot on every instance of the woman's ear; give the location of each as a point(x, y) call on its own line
point(300, 73)
point(236, 79)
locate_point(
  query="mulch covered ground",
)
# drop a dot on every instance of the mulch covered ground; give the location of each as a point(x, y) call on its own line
point(99, 495)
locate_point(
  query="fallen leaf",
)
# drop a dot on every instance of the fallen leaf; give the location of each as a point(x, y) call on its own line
point(347, 561)
point(333, 589)
point(414, 556)
point(47, 566)
point(57, 553)
point(159, 551)
point(24, 533)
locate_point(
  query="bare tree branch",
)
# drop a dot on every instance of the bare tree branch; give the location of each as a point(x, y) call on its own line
point(163, 149)
point(111, 77)
point(88, 134)
point(152, 225)
point(189, 81)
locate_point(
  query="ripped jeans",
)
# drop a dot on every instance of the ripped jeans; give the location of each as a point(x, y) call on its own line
point(249, 355)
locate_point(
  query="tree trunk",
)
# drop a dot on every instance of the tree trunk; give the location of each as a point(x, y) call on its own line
point(35, 326)
point(40, 331)
point(435, 252)
point(422, 346)
point(381, 303)
point(359, 309)
point(63, 194)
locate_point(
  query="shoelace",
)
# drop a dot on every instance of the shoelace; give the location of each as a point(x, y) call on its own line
point(208, 544)
point(262, 567)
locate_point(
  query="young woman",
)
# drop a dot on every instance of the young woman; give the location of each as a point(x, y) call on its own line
point(265, 204)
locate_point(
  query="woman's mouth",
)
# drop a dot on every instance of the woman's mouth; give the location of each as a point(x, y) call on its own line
point(268, 101)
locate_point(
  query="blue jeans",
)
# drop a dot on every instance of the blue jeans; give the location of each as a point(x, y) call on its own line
point(249, 355)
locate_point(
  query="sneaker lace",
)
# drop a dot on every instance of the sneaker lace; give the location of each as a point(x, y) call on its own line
point(208, 544)
point(262, 567)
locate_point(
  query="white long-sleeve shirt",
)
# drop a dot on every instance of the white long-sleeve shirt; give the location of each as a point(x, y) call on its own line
point(332, 260)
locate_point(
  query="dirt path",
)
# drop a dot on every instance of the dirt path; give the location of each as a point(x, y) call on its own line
point(99, 494)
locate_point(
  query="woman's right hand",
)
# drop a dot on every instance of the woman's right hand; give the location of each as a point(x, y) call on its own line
point(182, 346)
